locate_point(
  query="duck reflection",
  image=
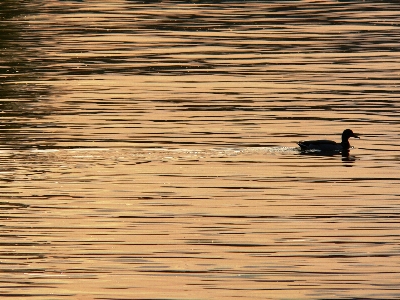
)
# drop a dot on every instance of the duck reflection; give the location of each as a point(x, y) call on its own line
point(346, 157)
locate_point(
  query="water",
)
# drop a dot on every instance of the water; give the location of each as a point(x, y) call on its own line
point(149, 150)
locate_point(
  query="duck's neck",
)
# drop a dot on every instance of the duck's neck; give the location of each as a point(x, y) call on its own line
point(345, 144)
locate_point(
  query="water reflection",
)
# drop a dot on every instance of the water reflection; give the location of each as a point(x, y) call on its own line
point(21, 98)
point(148, 149)
point(346, 158)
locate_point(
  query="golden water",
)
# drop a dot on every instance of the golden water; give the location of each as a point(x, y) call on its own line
point(149, 150)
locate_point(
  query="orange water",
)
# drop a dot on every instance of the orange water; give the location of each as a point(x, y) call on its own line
point(149, 150)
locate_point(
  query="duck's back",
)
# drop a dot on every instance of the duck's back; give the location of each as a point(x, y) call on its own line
point(322, 145)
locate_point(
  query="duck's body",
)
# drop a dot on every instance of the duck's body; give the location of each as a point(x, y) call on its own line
point(327, 145)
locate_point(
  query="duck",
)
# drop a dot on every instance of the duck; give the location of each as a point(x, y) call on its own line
point(327, 145)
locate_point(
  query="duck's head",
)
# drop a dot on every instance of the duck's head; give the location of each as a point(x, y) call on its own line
point(348, 133)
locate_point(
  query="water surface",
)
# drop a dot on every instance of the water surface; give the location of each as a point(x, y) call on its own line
point(149, 150)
